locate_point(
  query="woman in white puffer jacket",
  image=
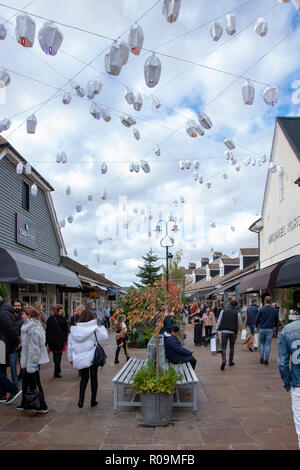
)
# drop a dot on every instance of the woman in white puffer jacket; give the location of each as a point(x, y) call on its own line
point(81, 349)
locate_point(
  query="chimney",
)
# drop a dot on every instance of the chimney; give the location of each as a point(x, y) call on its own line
point(216, 255)
point(192, 265)
point(204, 261)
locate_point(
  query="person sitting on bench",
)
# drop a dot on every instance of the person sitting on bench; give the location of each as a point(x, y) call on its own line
point(175, 353)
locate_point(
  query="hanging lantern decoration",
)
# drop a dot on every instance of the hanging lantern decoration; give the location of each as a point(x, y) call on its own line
point(232, 160)
point(182, 200)
point(216, 30)
point(64, 158)
point(171, 10)
point(182, 165)
point(104, 195)
point(280, 170)
point(135, 39)
point(4, 78)
point(50, 38)
point(261, 27)
point(187, 164)
point(25, 30)
point(152, 71)
point(259, 162)
point(3, 32)
point(204, 120)
point(272, 168)
point(296, 4)
point(19, 168)
point(93, 88)
point(136, 133)
point(98, 258)
point(213, 225)
point(70, 219)
point(228, 155)
point(68, 191)
point(5, 124)
point(75, 252)
point(230, 24)
point(196, 164)
point(270, 95)
point(190, 128)
point(200, 130)
point(247, 161)
point(127, 120)
point(157, 150)
point(145, 166)
point(234, 199)
point(79, 208)
point(28, 169)
point(95, 110)
point(263, 158)
point(131, 169)
point(59, 158)
point(135, 210)
point(105, 114)
point(253, 162)
point(33, 190)
point(137, 102)
point(79, 91)
point(208, 184)
point(99, 242)
point(229, 144)
point(90, 197)
point(124, 52)
point(225, 176)
point(195, 176)
point(113, 60)
point(114, 263)
point(232, 228)
point(155, 102)
point(62, 222)
point(67, 98)
point(238, 168)
point(136, 166)
point(200, 179)
point(248, 92)
point(31, 123)
point(129, 96)
point(103, 168)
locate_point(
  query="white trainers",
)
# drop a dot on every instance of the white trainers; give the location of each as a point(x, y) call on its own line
point(13, 396)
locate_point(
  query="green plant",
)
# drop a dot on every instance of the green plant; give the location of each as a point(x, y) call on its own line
point(133, 336)
point(145, 379)
point(3, 291)
point(148, 332)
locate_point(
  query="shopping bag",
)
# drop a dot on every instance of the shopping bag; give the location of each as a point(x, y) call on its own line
point(255, 345)
point(213, 346)
point(244, 334)
point(218, 344)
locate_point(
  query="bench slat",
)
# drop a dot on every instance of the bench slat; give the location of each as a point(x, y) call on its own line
point(137, 367)
point(125, 369)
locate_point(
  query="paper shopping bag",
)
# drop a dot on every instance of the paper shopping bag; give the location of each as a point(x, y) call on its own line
point(244, 334)
point(213, 346)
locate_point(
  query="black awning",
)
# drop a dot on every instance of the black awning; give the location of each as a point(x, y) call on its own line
point(228, 286)
point(289, 273)
point(259, 280)
point(19, 268)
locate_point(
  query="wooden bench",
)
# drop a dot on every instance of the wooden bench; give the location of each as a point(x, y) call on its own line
point(124, 377)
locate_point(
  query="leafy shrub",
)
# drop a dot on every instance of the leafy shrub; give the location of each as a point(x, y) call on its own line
point(145, 380)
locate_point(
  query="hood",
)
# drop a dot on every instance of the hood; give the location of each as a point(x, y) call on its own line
point(82, 331)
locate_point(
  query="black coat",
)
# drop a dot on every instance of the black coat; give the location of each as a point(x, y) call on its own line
point(56, 332)
point(8, 331)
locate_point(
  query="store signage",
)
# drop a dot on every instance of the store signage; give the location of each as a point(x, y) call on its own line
point(26, 233)
point(285, 229)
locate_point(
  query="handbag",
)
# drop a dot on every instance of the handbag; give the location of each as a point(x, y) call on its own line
point(99, 356)
point(32, 397)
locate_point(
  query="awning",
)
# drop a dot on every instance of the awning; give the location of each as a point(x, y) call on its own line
point(93, 284)
point(200, 294)
point(259, 280)
point(114, 290)
point(19, 268)
point(289, 273)
point(228, 286)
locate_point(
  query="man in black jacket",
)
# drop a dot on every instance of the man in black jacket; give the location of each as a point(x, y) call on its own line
point(228, 323)
point(8, 333)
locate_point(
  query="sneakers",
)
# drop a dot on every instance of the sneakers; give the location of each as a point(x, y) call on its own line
point(3, 399)
point(250, 349)
point(13, 396)
point(20, 408)
point(42, 410)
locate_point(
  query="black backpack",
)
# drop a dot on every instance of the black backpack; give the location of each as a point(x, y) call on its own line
point(99, 356)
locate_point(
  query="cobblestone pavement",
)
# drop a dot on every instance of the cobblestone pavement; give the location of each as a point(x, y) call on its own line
point(244, 407)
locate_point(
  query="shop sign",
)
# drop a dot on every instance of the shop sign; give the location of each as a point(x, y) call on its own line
point(285, 229)
point(26, 232)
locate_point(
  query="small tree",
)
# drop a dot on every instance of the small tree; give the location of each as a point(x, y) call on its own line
point(149, 272)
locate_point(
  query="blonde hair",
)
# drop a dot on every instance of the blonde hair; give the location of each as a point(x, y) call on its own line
point(79, 309)
point(120, 320)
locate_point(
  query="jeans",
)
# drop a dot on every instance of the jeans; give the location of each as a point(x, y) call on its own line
point(208, 330)
point(6, 385)
point(107, 322)
point(295, 395)
point(252, 329)
point(57, 361)
point(231, 337)
point(125, 347)
point(92, 372)
point(265, 339)
point(13, 359)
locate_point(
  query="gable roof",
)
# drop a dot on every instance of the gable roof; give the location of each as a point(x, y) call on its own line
point(290, 126)
point(249, 251)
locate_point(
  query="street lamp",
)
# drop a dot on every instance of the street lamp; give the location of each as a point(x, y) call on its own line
point(167, 242)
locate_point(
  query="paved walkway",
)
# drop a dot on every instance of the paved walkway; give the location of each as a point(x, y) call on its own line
point(245, 407)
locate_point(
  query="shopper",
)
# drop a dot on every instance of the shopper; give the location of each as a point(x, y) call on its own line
point(6, 386)
point(56, 337)
point(175, 353)
point(250, 323)
point(168, 321)
point(209, 321)
point(33, 354)
point(8, 333)
point(275, 331)
point(121, 338)
point(266, 322)
point(228, 323)
point(197, 325)
point(106, 315)
point(81, 350)
point(90, 305)
point(43, 317)
point(76, 316)
point(15, 355)
point(289, 353)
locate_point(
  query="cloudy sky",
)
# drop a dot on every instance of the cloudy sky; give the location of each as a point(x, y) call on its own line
point(197, 75)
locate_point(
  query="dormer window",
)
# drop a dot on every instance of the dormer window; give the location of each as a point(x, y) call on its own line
point(221, 269)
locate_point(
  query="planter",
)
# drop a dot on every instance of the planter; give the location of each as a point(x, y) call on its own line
point(156, 408)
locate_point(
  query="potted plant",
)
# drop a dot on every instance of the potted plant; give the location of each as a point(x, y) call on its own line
point(156, 392)
point(133, 338)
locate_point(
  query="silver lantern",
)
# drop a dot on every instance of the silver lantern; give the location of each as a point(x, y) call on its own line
point(296, 4)
point(79, 208)
point(190, 128)
point(155, 102)
point(208, 184)
point(145, 166)
point(263, 158)
point(63, 222)
point(259, 162)
point(229, 144)
point(124, 52)
point(19, 168)
point(66, 98)
point(79, 91)
point(272, 168)
point(228, 155)
point(50, 38)
point(103, 168)
point(3, 32)
point(216, 30)
point(93, 88)
point(238, 168)
point(137, 102)
point(105, 114)
point(136, 133)
point(33, 190)
point(232, 228)
point(152, 71)
point(253, 162)
point(195, 176)
point(187, 164)
point(64, 157)
point(213, 225)
point(261, 27)
point(5, 124)
point(100, 242)
point(95, 110)
point(182, 164)
point(157, 150)
point(104, 195)
point(135, 39)
point(204, 120)
point(248, 92)
point(129, 96)
point(171, 10)
point(59, 158)
point(25, 30)
point(196, 164)
point(200, 179)
point(90, 197)
point(127, 120)
point(230, 24)
point(200, 130)
point(31, 123)
point(4, 78)
point(68, 191)
point(113, 60)
point(131, 169)
point(70, 219)
point(75, 252)
point(270, 95)
point(136, 166)
point(225, 176)
point(27, 169)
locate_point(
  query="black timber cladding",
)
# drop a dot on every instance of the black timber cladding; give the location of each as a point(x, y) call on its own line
point(291, 129)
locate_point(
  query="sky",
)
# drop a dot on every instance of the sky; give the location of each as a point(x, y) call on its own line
point(197, 75)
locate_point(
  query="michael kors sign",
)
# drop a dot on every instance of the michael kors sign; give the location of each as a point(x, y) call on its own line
point(26, 234)
point(285, 229)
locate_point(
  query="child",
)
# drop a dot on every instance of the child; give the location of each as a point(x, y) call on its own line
point(121, 338)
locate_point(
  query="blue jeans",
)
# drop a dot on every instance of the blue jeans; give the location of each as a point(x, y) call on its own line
point(6, 385)
point(252, 328)
point(13, 358)
point(265, 339)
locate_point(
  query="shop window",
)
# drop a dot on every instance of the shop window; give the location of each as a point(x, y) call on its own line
point(25, 196)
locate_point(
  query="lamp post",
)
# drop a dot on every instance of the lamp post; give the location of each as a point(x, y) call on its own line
point(167, 242)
